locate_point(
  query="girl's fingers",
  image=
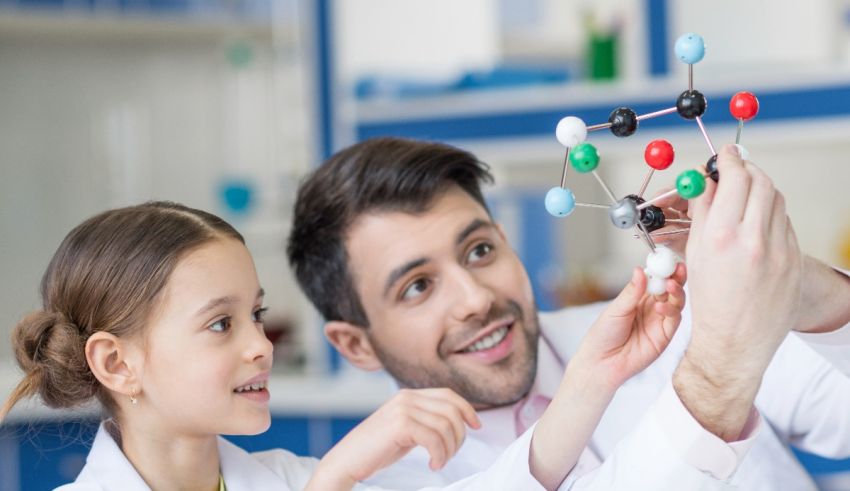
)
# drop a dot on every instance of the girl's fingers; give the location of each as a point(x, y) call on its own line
point(442, 415)
point(450, 396)
point(433, 442)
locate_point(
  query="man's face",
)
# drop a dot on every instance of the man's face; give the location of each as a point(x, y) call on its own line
point(449, 303)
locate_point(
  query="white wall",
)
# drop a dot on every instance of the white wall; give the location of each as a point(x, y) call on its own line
point(431, 39)
point(87, 125)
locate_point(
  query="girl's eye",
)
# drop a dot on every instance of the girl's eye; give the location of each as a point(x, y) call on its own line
point(479, 252)
point(416, 289)
point(260, 315)
point(221, 325)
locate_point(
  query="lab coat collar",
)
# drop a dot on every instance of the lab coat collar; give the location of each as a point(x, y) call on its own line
point(108, 465)
point(241, 471)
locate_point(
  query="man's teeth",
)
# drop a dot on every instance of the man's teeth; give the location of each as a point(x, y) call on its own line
point(257, 386)
point(489, 341)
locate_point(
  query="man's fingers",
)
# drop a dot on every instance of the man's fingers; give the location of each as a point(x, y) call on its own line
point(699, 207)
point(733, 190)
point(760, 204)
point(778, 228)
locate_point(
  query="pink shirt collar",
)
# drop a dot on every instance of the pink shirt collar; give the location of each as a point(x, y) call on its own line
point(502, 425)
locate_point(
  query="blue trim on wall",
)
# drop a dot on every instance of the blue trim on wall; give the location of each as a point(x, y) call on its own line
point(325, 106)
point(776, 105)
point(658, 42)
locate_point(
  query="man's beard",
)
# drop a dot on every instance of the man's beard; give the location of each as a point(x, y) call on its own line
point(497, 390)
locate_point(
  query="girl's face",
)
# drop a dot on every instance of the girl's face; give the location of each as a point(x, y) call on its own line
point(207, 359)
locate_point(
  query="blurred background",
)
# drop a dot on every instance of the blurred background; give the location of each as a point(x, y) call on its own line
point(225, 105)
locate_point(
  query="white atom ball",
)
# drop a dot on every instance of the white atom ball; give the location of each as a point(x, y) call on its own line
point(571, 131)
point(656, 285)
point(661, 263)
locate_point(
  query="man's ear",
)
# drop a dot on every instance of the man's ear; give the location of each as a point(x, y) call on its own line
point(352, 342)
point(113, 363)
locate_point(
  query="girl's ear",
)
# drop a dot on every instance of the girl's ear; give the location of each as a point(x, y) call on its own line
point(115, 363)
point(352, 343)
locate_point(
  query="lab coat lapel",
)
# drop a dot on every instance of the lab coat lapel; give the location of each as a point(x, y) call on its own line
point(242, 472)
point(107, 465)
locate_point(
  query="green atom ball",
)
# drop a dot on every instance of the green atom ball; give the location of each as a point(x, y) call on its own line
point(584, 157)
point(690, 184)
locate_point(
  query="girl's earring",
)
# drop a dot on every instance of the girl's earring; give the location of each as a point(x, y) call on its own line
point(133, 399)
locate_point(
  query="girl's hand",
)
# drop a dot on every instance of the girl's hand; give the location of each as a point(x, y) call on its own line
point(632, 332)
point(433, 418)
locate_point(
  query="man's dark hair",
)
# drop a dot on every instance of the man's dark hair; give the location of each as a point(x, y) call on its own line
point(381, 174)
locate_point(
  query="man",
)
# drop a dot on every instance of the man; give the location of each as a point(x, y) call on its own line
point(393, 243)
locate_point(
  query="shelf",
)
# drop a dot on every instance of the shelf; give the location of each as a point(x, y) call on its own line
point(530, 113)
point(16, 24)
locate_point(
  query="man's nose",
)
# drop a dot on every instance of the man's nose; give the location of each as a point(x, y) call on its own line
point(471, 298)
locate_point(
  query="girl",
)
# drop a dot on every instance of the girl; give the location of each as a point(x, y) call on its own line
point(156, 311)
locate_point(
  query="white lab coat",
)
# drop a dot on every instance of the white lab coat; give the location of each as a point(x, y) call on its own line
point(804, 400)
point(107, 469)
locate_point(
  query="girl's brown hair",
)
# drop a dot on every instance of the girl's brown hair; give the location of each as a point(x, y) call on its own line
point(106, 276)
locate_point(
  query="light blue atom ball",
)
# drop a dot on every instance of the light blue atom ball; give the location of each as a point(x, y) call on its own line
point(560, 202)
point(690, 48)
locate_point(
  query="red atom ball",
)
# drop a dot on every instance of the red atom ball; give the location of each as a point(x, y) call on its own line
point(744, 105)
point(659, 154)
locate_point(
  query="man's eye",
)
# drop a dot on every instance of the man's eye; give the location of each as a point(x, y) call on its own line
point(479, 252)
point(221, 325)
point(415, 289)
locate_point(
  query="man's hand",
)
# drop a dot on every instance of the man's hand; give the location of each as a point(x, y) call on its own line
point(745, 271)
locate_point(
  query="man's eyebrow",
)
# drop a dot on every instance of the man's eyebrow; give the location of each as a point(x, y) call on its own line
point(226, 300)
point(402, 270)
point(476, 224)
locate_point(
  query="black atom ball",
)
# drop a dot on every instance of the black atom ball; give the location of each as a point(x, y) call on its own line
point(690, 104)
point(623, 121)
point(637, 199)
point(711, 168)
point(652, 218)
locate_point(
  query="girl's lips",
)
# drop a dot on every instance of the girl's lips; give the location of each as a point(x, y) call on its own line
point(261, 396)
point(260, 377)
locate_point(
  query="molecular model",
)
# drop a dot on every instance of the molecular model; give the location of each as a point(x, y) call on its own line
point(633, 211)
